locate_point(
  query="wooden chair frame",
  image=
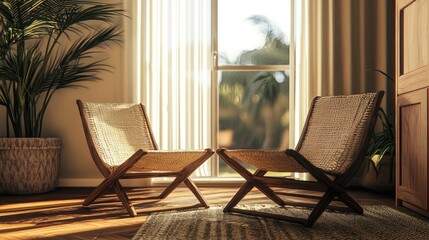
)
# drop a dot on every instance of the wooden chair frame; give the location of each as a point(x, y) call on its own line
point(111, 178)
point(332, 188)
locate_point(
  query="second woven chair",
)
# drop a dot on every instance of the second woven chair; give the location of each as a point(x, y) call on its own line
point(122, 146)
point(331, 149)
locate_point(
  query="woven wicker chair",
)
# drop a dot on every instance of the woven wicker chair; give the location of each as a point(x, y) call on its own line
point(122, 146)
point(331, 148)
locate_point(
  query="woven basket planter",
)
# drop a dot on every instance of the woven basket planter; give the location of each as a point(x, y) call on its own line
point(385, 181)
point(29, 165)
point(367, 178)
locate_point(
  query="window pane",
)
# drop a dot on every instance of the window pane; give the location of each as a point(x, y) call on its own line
point(253, 111)
point(253, 32)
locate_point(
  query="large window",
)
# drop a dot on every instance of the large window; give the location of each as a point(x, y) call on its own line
point(215, 73)
point(251, 45)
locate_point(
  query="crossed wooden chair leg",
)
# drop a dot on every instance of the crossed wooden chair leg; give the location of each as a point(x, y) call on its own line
point(112, 180)
point(331, 188)
point(188, 183)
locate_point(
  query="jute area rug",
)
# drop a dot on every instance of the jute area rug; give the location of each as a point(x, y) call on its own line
point(378, 222)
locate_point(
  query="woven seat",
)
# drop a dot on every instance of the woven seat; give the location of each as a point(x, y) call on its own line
point(331, 149)
point(122, 145)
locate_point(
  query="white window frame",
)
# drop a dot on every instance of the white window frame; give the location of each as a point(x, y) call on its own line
point(216, 69)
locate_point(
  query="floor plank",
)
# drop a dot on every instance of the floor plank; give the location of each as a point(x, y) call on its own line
point(60, 215)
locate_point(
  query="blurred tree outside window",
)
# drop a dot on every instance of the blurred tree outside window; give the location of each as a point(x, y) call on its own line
point(252, 75)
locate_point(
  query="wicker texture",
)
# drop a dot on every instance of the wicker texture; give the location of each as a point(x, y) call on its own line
point(117, 130)
point(29, 165)
point(336, 125)
point(170, 161)
point(268, 160)
point(335, 131)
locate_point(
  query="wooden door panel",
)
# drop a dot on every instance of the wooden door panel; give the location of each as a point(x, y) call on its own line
point(414, 36)
point(412, 148)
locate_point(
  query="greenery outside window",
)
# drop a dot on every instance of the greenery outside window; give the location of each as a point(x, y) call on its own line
point(251, 59)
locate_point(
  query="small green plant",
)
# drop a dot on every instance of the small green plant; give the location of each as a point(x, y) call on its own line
point(47, 45)
point(382, 143)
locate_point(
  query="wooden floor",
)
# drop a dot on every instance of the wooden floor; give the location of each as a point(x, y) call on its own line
point(59, 214)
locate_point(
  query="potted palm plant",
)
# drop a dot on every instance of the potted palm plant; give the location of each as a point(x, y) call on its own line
point(45, 46)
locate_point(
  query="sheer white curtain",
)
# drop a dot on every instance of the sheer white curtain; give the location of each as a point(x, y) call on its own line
point(173, 71)
point(301, 44)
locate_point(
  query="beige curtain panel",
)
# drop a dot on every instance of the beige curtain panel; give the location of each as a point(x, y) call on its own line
point(348, 38)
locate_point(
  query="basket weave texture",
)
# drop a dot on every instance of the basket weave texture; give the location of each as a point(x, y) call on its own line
point(336, 127)
point(118, 130)
point(29, 165)
point(335, 131)
point(268, 160)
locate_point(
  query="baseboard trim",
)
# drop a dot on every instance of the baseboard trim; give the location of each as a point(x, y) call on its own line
point(200, 182)
point(93, 182)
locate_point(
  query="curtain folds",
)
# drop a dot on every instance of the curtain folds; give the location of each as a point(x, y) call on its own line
point(347, 40)
point(175, 71)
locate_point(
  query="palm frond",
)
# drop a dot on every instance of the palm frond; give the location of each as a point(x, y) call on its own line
point(37, 29)
point(20, 13)
point(5, 12)
point(37, 58)
point(70, 15)
point(67, 69)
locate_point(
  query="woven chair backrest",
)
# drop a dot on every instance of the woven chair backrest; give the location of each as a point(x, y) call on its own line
point(336, 127)
point(118, 130)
